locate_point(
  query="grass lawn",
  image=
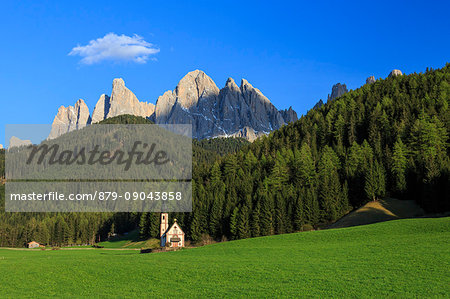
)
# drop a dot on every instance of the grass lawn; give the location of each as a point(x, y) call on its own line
point(130, 240)
point(399, 258)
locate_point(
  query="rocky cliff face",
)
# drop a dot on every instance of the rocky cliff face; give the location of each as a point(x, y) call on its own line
point(231, 111)
point(1, 146)
point(337, 91)
point(123, 101)
point(101, 109)
point(70, 118)
point(248, 133)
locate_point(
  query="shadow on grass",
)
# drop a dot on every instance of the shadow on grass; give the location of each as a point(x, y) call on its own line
point(132, 236)
point(119, 253)
point(379, 211)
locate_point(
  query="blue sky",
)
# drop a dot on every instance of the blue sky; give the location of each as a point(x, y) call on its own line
point(292, 51)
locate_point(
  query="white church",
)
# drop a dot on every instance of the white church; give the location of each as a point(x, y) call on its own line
point(173, 236)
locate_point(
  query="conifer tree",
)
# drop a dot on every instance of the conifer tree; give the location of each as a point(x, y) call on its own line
point(195, 230)
point(298, 214)
point(144, 227)
point(255, 220)
point(370, 184)
point(280, 213)
point(330, 188)
point(279, 174)
point(215, 217)
point(154, 225)
point(267, 208)
point(234, 221)
point(244, 222)
point(305, 168)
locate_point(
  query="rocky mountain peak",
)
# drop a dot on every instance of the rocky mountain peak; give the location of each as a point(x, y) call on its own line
point(231, 111)
point(124, 101)
point(220, 113)
point(118, 83)
point(395, 73)
point(231, 84)
point(251, 92)
point(70, 118)
point(193, 86)
point(370, 80)
point(164, 106)
point(15, 142)
point(245, 84)
point(289, 115)
point(337, 90)
point(101, 109)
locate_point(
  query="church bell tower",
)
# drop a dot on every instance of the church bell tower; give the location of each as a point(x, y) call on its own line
point(164, 223)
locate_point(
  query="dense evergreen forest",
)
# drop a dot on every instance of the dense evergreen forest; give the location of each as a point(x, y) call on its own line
point(388, 138)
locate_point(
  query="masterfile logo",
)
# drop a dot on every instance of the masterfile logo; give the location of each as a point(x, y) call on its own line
point(115, 168)
point(95, 156)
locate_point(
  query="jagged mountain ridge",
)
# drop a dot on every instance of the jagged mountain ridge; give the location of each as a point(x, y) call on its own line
point(234, 110)
point(339, 89)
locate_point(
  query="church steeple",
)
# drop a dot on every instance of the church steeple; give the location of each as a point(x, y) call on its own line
point(164, 223)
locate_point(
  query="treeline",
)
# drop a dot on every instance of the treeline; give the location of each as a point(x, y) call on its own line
point(60, 229)
point(388, 138)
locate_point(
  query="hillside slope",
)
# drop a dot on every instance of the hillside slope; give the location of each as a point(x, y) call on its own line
point(400, 258)
point(385, 139)
point(379, 211)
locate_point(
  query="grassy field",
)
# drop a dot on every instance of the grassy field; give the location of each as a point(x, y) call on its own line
point(131, 241)
point(399, 258)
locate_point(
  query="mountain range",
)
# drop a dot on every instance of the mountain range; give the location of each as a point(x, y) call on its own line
point(233, 111)
point(241, 111)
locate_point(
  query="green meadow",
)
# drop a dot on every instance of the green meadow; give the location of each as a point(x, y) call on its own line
point(399, 258)
point(130, 241)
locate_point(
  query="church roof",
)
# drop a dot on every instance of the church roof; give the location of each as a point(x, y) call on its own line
point(175, 223)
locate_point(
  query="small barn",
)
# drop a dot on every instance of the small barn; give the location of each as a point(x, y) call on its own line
point(33, 244)
point(173, 236)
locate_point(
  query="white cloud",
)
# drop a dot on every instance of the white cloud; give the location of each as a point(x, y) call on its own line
point(115, 48)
